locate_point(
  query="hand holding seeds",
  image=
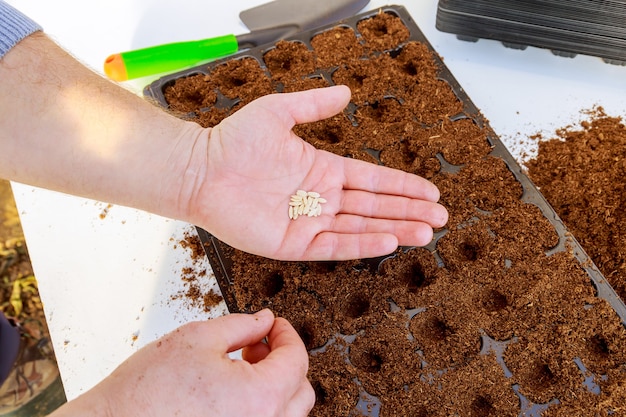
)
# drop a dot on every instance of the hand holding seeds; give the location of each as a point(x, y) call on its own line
point(266, 191)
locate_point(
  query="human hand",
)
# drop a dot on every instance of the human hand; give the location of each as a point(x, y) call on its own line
point(188, 372)
point(234, 180)
point(254, 163)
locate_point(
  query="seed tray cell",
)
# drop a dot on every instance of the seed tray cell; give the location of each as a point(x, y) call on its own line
point(471, 313)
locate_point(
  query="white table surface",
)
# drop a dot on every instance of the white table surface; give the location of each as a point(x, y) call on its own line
point(109, 282)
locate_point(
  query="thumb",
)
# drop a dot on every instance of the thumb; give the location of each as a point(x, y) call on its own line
point(236, 331)
point(310, 105)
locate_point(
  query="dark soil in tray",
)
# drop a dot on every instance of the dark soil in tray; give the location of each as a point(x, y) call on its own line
point(499, 316)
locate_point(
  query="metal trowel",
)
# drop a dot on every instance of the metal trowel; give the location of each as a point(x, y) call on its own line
point(268, 23)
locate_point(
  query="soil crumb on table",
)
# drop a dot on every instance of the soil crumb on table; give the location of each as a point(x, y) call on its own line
point(191, 275)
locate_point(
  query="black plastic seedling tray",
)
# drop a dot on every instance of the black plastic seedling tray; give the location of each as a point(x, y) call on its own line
point(567, 28)
point(217, 252)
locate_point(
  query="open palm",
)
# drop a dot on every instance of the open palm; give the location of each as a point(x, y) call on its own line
point(255, 163)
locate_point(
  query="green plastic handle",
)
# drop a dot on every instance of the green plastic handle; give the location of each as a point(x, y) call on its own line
point(168, 57)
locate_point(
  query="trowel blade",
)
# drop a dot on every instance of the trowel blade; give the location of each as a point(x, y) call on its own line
point(303, 14)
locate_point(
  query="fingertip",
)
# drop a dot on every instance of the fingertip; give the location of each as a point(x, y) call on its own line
point(377, 244)
point(239, 330)
point(281, 324)
point(424, 235)
point(344, 89)
point(436, 194)
point(444, 216)
point(387, 244)
point(430, 191)
point(283, 333)
point(286, 346)
point(419, 234)
point(264, 314)
point(421, 188)
point(436, 216)
point(341, 95)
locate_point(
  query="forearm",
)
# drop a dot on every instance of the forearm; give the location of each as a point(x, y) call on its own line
point(64, 127)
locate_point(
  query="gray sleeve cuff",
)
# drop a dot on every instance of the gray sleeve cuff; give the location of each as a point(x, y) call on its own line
point(14, 26)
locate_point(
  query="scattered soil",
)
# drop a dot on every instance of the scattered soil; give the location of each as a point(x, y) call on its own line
point(490, 313)
point(194, 295)
point(581, 173)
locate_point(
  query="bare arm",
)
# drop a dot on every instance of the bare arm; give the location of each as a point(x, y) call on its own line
point(66, 128)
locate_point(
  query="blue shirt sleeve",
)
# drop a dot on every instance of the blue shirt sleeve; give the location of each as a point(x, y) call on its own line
point(14, 26)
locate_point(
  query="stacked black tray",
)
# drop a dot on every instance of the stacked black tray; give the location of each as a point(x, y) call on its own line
point(566, 27)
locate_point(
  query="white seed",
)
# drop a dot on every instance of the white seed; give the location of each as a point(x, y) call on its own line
point(305, 203)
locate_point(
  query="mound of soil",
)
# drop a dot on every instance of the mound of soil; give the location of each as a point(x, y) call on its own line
point(581, 173)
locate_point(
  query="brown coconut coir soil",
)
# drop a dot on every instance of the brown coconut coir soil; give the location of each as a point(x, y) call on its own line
point(581, 173)
point(488, 319)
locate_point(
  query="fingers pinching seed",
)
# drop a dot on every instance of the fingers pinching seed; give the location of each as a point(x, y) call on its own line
point(307, 203)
